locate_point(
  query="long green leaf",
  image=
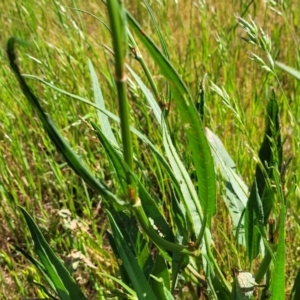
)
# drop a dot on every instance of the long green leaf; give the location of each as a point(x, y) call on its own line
point(251, 231)
point(279, 275)
point(122, 271)
point(63, 147)
point(236, 190)
point(38, 265)
point(198, 144)
point(65, 286)
point(190, 200)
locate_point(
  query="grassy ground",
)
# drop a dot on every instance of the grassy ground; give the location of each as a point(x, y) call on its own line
point(202, 37)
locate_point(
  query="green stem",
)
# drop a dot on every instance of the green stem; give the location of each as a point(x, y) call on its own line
point(119, 35)
point(263, 268)
point(214, 262)
point(117, 18)
point(154, 236)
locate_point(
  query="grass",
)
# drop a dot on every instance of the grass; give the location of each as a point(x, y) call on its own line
point(201, 38)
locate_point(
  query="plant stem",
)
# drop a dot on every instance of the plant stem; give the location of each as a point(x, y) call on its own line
point(155, 237)
point(117, 20)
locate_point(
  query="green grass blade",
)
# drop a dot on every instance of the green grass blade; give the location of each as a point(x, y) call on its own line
point(160, 36)
point(136, 242)
point(63, 147)
point(198, 144)
point(115, 157)
point(251, 231)
point(139, 282)
point(153, 212)
point(121, 283)
point(65, 286)
point(288, 69)
point(38, 265)
point(278, 278)
point(103, 119)
point(43, 288)
point(163, 46)
point(122, 271)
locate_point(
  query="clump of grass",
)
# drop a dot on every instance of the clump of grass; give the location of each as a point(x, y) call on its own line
point(151, 181)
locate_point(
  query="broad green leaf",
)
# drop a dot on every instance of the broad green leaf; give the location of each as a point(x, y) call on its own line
point(65, 286)
point(139, 282)
point(62, 146)
point(153, 213)
point(145, 259)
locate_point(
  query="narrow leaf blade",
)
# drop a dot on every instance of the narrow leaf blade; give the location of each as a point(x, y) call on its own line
point(141, 286)
point(64, 284)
